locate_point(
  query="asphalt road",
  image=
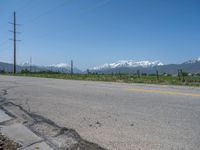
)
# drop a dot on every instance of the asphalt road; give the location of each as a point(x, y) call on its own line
point(116, 116)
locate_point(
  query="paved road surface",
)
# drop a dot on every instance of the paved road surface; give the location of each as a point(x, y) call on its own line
point(116, 116)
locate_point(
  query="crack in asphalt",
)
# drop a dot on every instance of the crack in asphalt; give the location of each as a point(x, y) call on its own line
point(55, 136)
point(31, 144)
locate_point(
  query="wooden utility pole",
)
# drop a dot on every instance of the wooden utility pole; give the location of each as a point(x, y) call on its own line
point(14, 39)
point(72, 67)
point(30, 64)
point(14, 31)
point(157, 75)
point(179, 77)
point(138, 73)
point(183, 78)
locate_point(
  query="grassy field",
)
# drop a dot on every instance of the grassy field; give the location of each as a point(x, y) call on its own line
point(126, 78)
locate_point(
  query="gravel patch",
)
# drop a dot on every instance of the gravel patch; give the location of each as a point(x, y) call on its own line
point(8, 144)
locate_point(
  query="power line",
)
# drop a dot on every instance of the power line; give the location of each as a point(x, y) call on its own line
point(38, 17)
point(100, 4)
point(21, 8)
point(48, 12)
point(3, 43)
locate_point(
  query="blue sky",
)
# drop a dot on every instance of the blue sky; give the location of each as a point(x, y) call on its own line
point(94, 32)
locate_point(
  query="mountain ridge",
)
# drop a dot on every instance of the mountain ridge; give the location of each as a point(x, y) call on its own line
point(122, 66)
point(191, 66)
point(129, 63)
point(61, 67)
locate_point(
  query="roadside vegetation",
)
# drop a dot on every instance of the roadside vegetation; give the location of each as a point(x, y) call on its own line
point(182, 78)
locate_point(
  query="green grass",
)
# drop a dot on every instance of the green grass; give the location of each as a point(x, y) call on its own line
point(126, 78)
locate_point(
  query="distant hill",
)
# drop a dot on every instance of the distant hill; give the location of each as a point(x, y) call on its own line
point(6, 67)
point(190, 66)
point(55, 68)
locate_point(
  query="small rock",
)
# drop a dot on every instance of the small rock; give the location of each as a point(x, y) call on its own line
point(98, 123)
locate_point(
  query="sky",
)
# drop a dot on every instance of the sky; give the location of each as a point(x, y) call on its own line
point(94, 32)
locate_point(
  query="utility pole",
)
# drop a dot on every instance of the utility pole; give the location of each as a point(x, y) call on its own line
point(138, 73)
point(30, 64)
point(183, 78)
point(179, 77)
point(14, 31)
point(157, 75)
point(14, 42)
point(71, 67)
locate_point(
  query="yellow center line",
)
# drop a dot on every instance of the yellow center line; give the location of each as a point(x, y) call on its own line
point(164, 92)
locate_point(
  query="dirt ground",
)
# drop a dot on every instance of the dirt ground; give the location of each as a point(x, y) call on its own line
point(7, 144)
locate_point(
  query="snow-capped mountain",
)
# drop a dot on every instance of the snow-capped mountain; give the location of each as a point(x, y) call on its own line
point(123, 66)
point(130, 66)
point(24, 64)
point(192, 61)
point(60, 65)
point(129, 63)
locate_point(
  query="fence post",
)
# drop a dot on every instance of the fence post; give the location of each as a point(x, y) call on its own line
point(179, 77)
point(138, 73)
point(183, 78)
point(157, 75)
